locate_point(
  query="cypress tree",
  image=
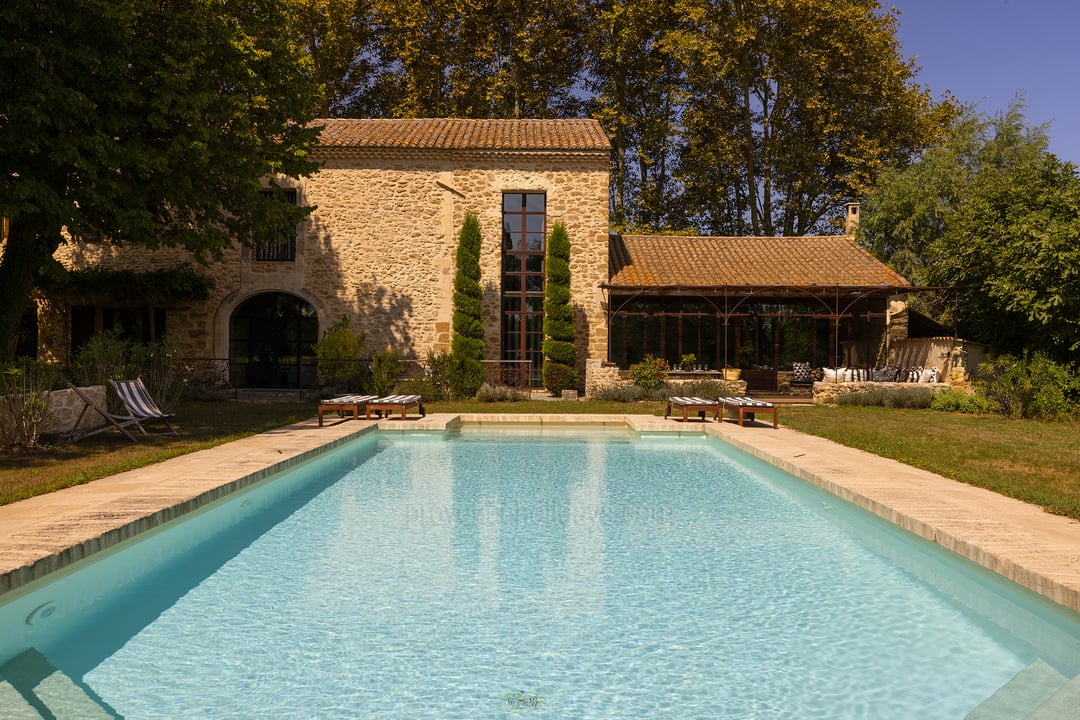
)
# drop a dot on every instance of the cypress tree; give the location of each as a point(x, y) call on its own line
point(560, 353)
point(468, 340)
point(467, 346)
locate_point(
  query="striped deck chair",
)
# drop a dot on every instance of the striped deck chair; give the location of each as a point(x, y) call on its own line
point(113, 421)
point(141, 406)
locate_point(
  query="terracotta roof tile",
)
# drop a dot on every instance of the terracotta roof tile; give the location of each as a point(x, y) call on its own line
point(461, 134)
point(666, 261)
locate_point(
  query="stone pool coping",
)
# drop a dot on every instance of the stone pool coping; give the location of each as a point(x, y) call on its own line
point(1040, 551)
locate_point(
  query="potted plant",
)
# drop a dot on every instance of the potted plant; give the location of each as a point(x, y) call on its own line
point(688, 361)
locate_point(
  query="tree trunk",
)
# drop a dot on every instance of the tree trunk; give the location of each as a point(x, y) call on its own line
point(23, 254)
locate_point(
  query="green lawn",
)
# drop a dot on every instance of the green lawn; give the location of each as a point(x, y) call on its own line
point(1033, 461)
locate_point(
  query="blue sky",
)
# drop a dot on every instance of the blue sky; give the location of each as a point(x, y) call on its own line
point(986, 51)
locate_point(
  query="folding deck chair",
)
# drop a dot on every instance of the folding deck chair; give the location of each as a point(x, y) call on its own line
point(343, 403)
point(112, 420)
point(141, 406)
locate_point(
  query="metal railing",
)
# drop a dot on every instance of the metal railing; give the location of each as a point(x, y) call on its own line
point(224, 372)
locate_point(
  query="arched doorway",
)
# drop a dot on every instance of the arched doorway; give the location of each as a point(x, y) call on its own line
point(270, 339)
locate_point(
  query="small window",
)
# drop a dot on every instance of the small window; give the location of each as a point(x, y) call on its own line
point(281, 248)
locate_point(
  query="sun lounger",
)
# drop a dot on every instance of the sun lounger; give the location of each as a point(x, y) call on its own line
point(141, 406)
point(350, 403)
point(744, 408)
point(693, 404)
point(395, 403)
point(112, 421)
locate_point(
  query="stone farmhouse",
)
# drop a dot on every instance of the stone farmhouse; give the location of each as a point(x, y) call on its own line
point(379, 249)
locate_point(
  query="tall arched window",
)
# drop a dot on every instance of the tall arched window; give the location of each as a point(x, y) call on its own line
point(270, 339)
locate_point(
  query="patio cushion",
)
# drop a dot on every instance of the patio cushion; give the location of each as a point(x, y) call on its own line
point(835, 374)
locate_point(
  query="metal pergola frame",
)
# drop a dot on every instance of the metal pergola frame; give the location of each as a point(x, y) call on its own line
point(836, 299)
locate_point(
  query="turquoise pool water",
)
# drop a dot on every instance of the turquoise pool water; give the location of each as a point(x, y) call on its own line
point(587, 575)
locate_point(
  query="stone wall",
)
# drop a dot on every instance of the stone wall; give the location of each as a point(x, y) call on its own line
point(600, 376)
point(379, 249)
point(828, 393)
point(65, 411)
point(950, 355)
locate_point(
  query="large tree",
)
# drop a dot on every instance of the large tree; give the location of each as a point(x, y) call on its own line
point(795, 107)
point(338, 36)
point(636, 81)
point(1012, 254)
point(147, 121)
point(994, 217)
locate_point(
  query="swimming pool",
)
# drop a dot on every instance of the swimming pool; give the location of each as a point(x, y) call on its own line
point(582, 575)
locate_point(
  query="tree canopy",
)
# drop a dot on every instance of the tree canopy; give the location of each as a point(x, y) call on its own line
point(992, 215)
point(727, 116)
point(148, 122)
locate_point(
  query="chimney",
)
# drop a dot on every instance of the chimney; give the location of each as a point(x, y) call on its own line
point(851, 219)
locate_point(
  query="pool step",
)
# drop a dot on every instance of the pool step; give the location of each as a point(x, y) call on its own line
point(1064, 704)
point(1025, 693)
point(13, 705)
point(48, 692)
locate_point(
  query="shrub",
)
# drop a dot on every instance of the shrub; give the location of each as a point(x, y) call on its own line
point(109, 357)
point(339, 353)
point(466, 377)
point(162, 371)
point(962, 402)
point(104, 357)
point(560, 354)
point(700, 388)
point(386, 370)
point(649, 374)
point(622, 393)
point(499, 393)
point(417, 386)
point(438, 371)
point(1031, 386)
point(912, 398)
point(558, 377)
point(25, 387)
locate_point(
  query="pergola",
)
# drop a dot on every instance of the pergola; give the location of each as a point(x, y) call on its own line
point(670, 295)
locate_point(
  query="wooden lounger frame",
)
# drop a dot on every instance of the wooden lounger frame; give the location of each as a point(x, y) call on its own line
point(743, 408)
point(688, 404)
point(395, 403)
point(343, 404)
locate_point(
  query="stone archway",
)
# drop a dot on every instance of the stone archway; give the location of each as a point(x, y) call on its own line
point(270, 339)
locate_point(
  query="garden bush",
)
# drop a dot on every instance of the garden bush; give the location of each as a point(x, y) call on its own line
point(466, 377)
point(24, 393)
point(417, 386)
point(339, 355)
point(386, 371)
point(499, 393)
point(912, 398)
point(104, 357)
point(1031, 386)
point(710, 389)
point(622, 393)
point(962, 402)
point(109, 357)
point(650, 373)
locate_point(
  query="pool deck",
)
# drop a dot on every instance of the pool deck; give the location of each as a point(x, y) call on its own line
point(1037, 550)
